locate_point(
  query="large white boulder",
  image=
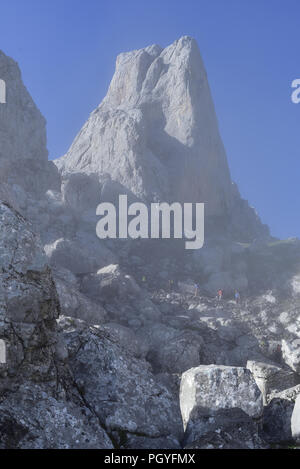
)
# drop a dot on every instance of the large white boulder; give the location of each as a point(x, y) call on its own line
point(214, 387)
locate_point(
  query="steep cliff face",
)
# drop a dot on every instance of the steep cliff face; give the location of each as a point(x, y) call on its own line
point(154, 137)
point(29, 304)
point(156, 134)
point(23, 152)
point(32, 185)
point(156, 131)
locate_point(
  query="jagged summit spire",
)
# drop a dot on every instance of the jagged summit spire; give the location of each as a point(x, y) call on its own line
point(156, 131)
point(141, 71)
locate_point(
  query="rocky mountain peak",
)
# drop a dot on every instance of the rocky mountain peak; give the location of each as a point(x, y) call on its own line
point(156, 131)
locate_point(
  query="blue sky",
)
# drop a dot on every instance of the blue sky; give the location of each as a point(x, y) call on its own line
point(67, 48)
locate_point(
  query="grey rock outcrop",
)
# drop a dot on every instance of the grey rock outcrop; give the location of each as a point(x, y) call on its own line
point(29, 305)
point(157, 113)
point(126, 299)
point(58, 377)
point(32, 419)
point(225, 429)
point(206, 395)
point(120, 389)
point(73, 303)
point(171, 350)
point(127, 339)
point(271, 378)
point(34, 411)
point(155, 136)
point(23, 152)
point(277, 417)
point(219, 387)
point(110, 282)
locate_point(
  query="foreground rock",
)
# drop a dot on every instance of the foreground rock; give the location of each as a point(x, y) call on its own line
point(134, 409)
point(69, 386)
point(39, 406)
point(29, 305)
point(271, 378)
point(30, 418)
point(206, 390)
point(277, 417)
point(226, 429)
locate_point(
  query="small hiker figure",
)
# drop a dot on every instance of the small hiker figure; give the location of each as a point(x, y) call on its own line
point(144, 279)
point(237, 297)
point(196, 290)
point(220, 294)
point(171, 285)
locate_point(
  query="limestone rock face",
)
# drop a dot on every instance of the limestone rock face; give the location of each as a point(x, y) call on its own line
point(155, 137)
point(156, 131)
point(33, 410)
point(218, 387)
point(23, 152)
point(135, 409)
point(225, 429)
point(220, 399)
point(28, 302)
point(31, 419)
point(48, 396)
